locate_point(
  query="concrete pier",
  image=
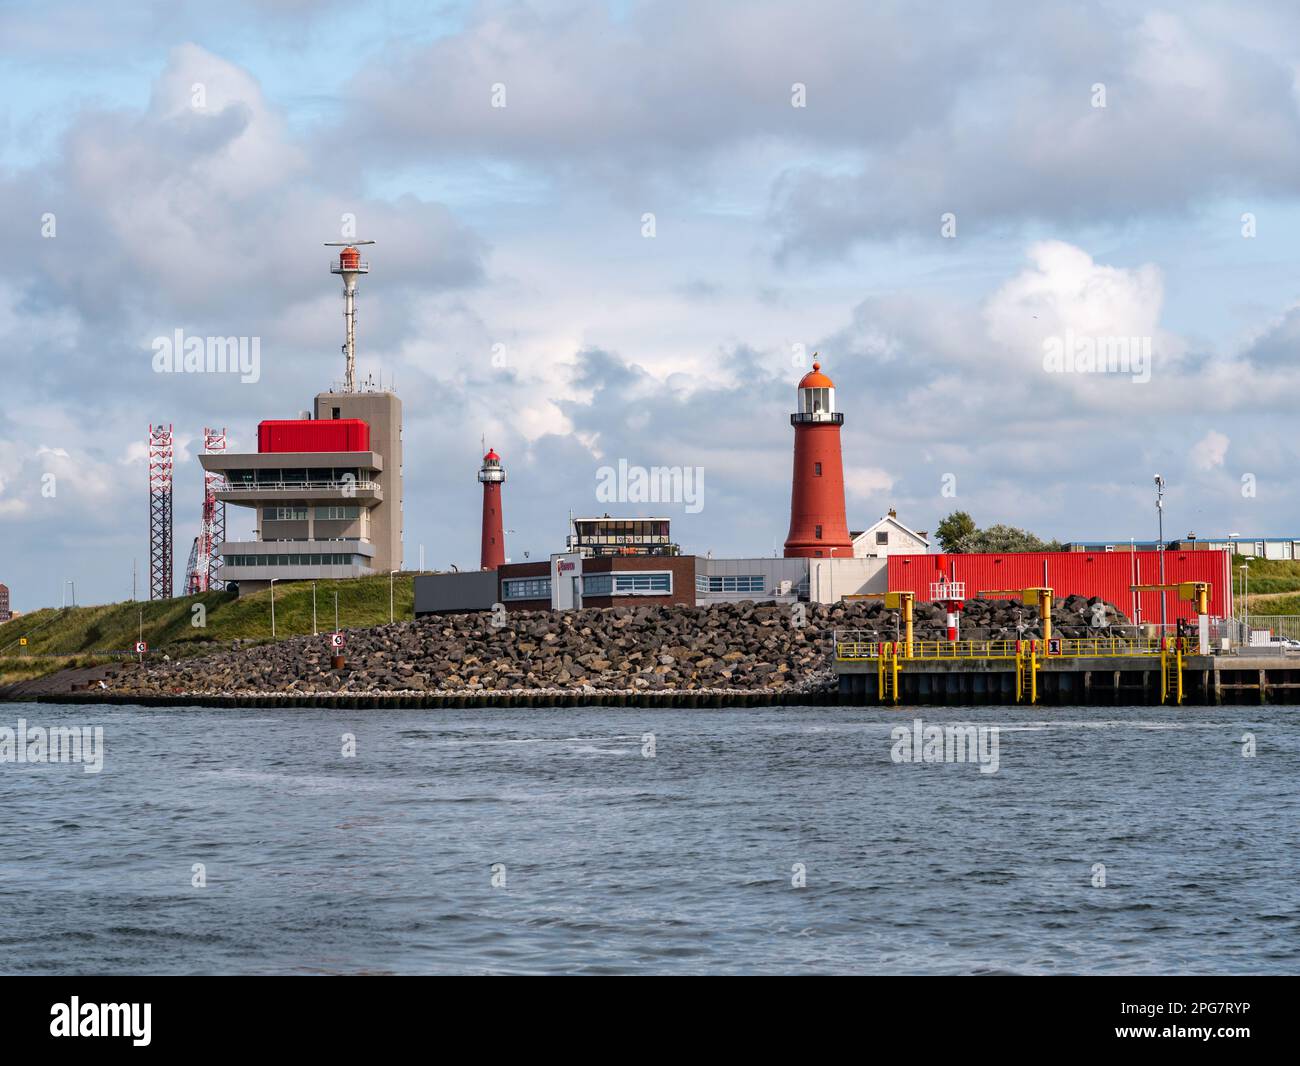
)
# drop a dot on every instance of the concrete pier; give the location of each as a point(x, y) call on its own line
point(1117, 680)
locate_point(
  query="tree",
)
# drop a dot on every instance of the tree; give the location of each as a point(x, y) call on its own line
point(952, 529)
point(1005, 539)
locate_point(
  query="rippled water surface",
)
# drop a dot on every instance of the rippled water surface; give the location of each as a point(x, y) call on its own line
point(680, 863)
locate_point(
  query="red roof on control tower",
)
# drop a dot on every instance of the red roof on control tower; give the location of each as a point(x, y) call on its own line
point(491, 456)
point(815, 379)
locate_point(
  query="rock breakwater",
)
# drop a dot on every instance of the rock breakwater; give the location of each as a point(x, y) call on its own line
point(723, 648)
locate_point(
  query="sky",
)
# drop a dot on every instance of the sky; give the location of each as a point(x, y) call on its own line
point(619, 231)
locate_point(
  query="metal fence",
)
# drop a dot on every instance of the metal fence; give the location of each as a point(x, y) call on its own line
point(1285, 626)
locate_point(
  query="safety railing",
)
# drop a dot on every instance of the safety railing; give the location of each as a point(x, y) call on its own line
point(943, 591)
point(296, 486)
point(864, 646)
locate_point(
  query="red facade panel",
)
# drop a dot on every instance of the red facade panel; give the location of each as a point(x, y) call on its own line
point(313, 435)
point(1104, 574)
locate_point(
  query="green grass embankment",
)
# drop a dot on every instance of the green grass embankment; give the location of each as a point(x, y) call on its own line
point(171, 626)
point(1274, 585)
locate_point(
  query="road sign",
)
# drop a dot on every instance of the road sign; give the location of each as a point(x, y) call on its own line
point(1054, 646)
point(22, 641)
point(337, 640)
point(141, 647)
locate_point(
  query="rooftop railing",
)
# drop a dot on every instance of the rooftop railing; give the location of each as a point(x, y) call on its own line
point(294, 486)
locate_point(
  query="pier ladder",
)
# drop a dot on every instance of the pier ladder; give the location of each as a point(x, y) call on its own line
point(887, 667)
point(1171, 672)
point(1026, 671)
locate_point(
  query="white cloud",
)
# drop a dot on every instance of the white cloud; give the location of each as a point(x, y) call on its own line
point(1210, 451)
point(864, 482)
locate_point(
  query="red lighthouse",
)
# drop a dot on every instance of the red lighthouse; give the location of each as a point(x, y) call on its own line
point(493, 476)
point(818, 528)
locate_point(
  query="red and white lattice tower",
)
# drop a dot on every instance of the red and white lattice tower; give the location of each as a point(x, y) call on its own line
point(213, 529)
point(160, 513)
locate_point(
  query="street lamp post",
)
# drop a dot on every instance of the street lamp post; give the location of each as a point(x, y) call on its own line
point(314, 631)
point(390, 596)
point(1160, 545)
point(273, 581)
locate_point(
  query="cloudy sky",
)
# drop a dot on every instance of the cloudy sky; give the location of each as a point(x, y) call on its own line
point(929, 194)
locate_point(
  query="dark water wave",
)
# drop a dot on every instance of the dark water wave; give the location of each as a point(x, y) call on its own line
point(681, 863)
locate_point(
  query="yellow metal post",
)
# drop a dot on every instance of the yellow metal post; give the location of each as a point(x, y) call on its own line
point(902, 601)
point(1042, 599)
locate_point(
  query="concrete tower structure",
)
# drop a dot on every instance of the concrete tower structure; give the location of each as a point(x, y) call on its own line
point(325, 490)
point(818, 528)
point(493, 475)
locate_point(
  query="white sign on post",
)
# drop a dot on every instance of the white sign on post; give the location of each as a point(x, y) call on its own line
point(141, 647)
point(337, 640)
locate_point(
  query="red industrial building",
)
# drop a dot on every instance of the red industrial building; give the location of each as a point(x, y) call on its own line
point(1105, 574)
point(818, 527)
point(492, 551)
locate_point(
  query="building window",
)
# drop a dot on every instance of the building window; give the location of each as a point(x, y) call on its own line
point(313, 559)
point(816, 401)
point(882, 538)
point(284, 514)
point(598, 585)
point(817, 469)
point(741, 583)
point(818, 533)
point(628, 583)
point(526, 588)
point(625, 584)
point(334, 513)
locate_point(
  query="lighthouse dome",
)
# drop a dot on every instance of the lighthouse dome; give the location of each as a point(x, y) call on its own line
point(815, 379)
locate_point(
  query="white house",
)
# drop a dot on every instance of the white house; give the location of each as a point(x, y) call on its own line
point(888, 537)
